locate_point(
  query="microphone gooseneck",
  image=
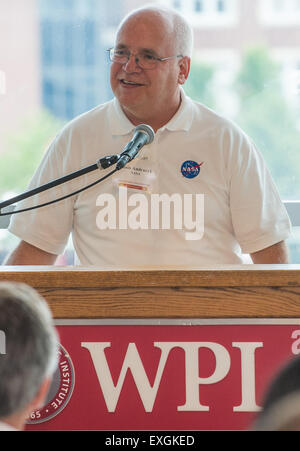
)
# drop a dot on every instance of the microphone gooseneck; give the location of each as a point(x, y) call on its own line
point(143, 134)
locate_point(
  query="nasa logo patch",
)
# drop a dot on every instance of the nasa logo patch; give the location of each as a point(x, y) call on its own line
point(190, 169)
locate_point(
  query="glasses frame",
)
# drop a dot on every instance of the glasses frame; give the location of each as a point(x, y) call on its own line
point(156, 58)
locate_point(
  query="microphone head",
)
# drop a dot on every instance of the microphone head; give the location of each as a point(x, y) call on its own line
point(147, 130)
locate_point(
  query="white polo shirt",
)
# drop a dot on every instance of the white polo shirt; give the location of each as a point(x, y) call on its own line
point(218, 202)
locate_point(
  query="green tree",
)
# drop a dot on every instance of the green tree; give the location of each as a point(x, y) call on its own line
point(25, 149)
point(269, 119)
point(199, 84)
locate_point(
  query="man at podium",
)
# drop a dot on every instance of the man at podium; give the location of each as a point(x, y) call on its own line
point(198, 194)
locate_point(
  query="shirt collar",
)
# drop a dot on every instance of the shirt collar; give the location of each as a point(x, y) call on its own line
point(182, 120)
point(118, 121)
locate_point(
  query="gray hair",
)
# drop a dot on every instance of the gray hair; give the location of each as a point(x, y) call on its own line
point(183, 32)
point(31, 346)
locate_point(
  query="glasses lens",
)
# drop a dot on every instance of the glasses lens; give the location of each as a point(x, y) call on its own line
point(119, 56)
point(146, 60)
point(143, 60)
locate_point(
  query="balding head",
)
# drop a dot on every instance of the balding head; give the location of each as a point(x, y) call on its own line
point(173, 24)
point(151, 95)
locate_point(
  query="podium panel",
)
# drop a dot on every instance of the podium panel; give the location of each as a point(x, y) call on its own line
point(171, 349)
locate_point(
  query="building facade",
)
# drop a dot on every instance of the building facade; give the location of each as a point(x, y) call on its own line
point(225, 28)
point(19, 64)
point(74, 37)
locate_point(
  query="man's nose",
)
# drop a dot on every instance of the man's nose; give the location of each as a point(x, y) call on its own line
point(132, 64)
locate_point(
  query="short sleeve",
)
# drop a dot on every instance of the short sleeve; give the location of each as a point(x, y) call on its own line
point(47, 228)
point(259, 216)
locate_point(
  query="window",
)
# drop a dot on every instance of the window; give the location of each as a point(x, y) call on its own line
point(72, 41)
point(209, 13)
point(177, 4)
point(48, 95)
point(278, 5)
point(198, 6)
point(68, 59)
point(279, 12)
point(89, 42)
point(69, 102)
point(221, 6)
point(46, 42)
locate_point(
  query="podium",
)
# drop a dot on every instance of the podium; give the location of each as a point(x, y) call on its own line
point(165, 349)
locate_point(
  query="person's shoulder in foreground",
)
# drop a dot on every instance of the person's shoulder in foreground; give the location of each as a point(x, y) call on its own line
point(29, 354)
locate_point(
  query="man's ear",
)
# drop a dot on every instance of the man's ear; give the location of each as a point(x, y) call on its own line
point(184, 66)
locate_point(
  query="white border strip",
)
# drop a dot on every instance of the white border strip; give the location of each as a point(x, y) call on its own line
point(292, 206)
point(2, 83)
point(293, 209)
point(178, 322)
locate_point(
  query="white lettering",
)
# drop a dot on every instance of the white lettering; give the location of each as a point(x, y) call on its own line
point(296, 344)
point(248, 376)
point(148, 393)
point(192, 370)
point(162, 215)
point(122, 441)
point(165, 201)
point(123, 214)
point(133, 362)
point(106, 218)
point(171, 440)
point(198, 224)
point(138, 218)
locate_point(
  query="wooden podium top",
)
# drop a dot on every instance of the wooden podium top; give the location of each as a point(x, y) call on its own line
point(247, 291)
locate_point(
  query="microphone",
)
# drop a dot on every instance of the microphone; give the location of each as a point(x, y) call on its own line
point(143, 134)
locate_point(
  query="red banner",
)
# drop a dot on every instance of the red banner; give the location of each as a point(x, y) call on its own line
point(164, 377)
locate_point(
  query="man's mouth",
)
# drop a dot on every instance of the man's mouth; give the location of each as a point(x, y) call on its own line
point(130, 83)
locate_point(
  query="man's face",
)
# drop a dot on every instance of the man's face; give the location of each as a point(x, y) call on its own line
point(146, 93)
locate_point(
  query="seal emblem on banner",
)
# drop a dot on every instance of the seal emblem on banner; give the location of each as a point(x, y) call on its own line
point(60, 391)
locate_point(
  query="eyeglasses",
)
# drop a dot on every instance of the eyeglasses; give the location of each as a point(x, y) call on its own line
point(144, 60)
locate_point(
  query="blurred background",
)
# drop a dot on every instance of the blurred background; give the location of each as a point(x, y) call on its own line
point(53, 66)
